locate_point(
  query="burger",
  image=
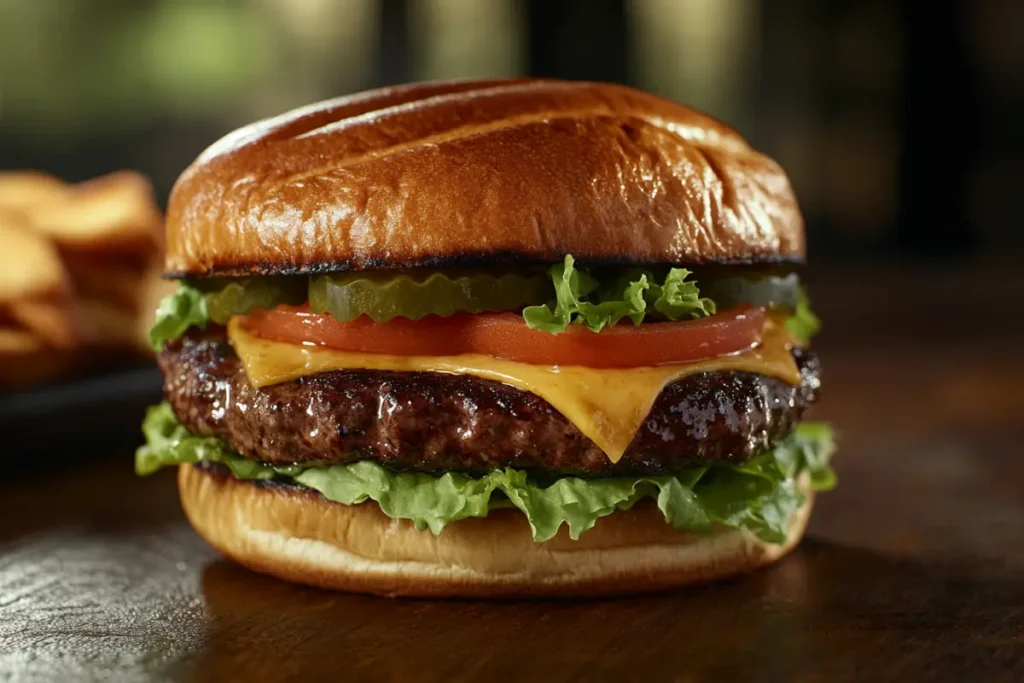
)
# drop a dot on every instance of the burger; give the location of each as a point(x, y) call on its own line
point(489, 338)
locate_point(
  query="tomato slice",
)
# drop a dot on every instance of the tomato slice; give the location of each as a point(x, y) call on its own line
point(506, 335)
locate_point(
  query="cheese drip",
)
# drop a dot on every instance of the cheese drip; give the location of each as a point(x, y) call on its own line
point(607, 405)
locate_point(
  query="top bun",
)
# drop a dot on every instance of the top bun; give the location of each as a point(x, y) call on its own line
point(480, 173)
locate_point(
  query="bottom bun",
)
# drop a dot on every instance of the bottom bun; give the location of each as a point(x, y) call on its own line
point(297, 535)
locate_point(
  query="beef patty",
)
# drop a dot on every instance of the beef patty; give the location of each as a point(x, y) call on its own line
point(430, 421)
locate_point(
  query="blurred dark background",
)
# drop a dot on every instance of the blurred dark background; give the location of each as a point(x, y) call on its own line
point(898, 120)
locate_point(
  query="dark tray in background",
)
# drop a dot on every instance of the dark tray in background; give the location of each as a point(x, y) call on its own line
point(92, 415)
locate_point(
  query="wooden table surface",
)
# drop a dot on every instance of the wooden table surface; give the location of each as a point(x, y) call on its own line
point(912, 570)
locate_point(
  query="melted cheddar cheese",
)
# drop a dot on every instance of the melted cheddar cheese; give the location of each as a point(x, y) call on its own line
point(606, 405)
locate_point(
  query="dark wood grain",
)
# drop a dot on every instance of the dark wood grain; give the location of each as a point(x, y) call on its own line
point(913, 568)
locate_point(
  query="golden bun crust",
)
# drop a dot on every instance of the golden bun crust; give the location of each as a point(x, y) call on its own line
point(472, 173)
point(299, 536)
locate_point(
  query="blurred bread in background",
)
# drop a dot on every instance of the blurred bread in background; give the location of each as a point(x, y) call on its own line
point(38, 324)
point(79, 272)
point(113, 215)
point(20, 190)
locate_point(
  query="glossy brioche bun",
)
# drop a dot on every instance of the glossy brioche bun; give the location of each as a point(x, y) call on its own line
point(480, 173)
point(299, 536)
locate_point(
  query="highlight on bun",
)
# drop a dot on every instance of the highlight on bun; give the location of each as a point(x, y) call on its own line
point(474, 173)
point(297, 535)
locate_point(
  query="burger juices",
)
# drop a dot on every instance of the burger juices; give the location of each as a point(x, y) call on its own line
point(489, 338)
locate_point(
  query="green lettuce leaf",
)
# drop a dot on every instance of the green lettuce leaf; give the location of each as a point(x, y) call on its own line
point(194, 307)
point(759, 495)
point(803, 323)
point(676, 299)
point(184, 309)
point(581, 298)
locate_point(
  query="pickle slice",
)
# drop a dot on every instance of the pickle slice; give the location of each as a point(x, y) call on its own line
point(383, 297)
point(240, 296)
point(777, 291)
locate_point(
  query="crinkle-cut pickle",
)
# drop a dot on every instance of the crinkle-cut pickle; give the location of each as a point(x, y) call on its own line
point(383, 297)
point(240, 297)
point(780, 292)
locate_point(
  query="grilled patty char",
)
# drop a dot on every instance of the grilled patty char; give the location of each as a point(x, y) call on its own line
point(438, 422)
